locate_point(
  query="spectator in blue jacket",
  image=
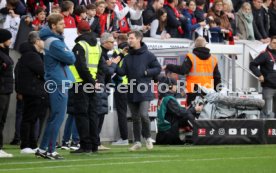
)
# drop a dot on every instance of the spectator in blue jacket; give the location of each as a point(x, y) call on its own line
point(57, 59)
point(192, 23)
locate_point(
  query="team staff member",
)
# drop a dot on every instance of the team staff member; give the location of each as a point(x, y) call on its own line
point(200, 68)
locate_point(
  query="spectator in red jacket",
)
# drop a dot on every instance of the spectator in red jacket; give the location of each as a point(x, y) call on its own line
point(39, 21)
point(67, 8)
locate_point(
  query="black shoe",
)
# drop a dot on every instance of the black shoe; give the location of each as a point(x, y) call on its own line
point(40, 154)
point(15, 142)
point(81, 151)
point(54, 156)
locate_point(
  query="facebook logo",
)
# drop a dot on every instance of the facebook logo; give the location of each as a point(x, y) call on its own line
point(243, 131)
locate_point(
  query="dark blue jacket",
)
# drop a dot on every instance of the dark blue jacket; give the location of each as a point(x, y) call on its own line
point(172, 23)
point(140, 66)
point(189, 27)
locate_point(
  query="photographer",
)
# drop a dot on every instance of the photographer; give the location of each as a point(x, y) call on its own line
point(171, 116)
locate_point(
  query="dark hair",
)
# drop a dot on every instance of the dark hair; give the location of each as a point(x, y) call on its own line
point(200, 2)
point(138, 34)
point(122, 38)
point(169, 1)
point(39, 10)
point(80, 9)
point(13, 3)
point(162, 24)
point(91, 7)
point(53, 19)
point(273, 37)
point(66, 5)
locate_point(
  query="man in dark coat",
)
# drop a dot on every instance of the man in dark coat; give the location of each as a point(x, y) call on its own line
point(30, 83)
point(140, 66)
point(267, 75)
point(6, 82)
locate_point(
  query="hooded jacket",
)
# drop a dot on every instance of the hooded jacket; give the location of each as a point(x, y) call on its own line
point(6, 72)
point(57, 57)
point(81, 65)
point(29, 72)
point(201, 52)
point(266, 63)
point(140, 66)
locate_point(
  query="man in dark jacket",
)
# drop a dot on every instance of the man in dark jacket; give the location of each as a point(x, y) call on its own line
point(6, 82)
point(150, 13)
point(30, 83)
point(85, 71)
point(175, 20)
point(203, 54)
point(267, 75)
point(171, 116)
point(140, 66)
point(260, 23)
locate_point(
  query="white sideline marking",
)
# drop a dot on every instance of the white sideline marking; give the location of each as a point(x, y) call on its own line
point(110, 158)
point(138, 162)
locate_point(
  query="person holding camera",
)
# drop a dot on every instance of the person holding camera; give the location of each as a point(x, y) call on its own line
point(171, 117)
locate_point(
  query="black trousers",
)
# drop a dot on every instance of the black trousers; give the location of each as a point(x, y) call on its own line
point(100, 126)
point(121, 107)
point(34, 108)
point(86, 119)
point(4, 106)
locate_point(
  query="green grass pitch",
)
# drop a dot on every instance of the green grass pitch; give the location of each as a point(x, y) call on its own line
point(162, 159)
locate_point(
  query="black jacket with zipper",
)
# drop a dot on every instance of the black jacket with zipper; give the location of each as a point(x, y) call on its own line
point(266, 63)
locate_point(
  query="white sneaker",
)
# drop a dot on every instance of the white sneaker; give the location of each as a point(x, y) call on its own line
point(3, 154)
point(27, 151)
point(120, 142)
point(149, 144)
point(136, 146)
point(103, 148)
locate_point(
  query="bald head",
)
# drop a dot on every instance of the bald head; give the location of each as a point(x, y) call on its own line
point(200, 42)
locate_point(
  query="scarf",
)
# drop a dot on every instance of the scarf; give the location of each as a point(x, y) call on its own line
point(249, 24)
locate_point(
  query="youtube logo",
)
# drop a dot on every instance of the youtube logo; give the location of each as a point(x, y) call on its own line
point(201, 132)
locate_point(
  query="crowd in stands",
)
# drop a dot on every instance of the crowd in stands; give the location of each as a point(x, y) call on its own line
point(216, 20)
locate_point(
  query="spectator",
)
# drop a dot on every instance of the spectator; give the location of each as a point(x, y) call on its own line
point(217, 33)
point(80, 14)
point(267, 75)
point(108, 18)
point(40, 19)
point(67, 8)
point(244, 22)
point(30, 73)
point(229, 11)
point(217, 12)
point(200, 14)
point(158, 26)
point(272, 15)
point(121, 10)
point(260, 22)
point(266, 4)
point(12, 23)
point(56, 9)
point(135, 20)
point(17, 6)
point(93, 19)
point(192, 23)
point(174, 25)
point(6, 83)
point(150, 13)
